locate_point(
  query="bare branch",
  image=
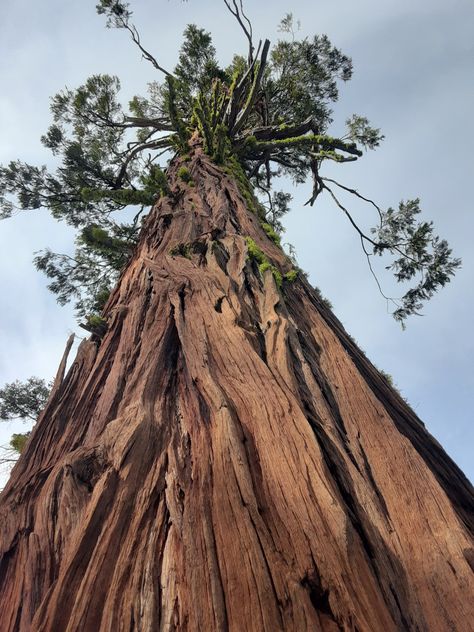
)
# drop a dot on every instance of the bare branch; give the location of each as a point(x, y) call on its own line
point(368, 255)
point(145, 54)
point(159, 124)
point(242, 117)
point(238, 13)
point(155, 144)
point(350, 218)
point(234, 102)
point(357, 194)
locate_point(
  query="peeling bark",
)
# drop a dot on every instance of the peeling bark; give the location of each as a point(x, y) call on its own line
point(225, 458)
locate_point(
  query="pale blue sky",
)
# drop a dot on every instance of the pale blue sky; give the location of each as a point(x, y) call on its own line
point(413, 77)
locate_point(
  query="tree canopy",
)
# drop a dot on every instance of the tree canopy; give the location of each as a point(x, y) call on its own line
point(265, 116)
point(21, 401)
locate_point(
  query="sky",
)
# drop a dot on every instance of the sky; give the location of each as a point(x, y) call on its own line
point(413, 78)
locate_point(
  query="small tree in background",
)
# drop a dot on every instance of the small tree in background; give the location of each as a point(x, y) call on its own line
point(21, 401)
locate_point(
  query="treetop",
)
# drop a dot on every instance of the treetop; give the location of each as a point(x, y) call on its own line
point(269, 111)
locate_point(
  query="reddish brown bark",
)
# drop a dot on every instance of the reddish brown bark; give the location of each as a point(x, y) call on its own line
point(226, 458)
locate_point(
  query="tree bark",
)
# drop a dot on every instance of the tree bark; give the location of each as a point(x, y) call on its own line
point(226, 458)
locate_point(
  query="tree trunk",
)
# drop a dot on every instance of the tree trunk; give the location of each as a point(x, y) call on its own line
point(226, 458)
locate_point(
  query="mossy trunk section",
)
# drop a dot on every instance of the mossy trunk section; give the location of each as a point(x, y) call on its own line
point(225, 458)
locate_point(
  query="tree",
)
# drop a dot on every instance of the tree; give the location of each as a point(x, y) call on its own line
point(21, 401)
point(216, 456)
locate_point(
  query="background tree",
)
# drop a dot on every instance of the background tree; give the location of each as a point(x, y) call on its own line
point(21, 401)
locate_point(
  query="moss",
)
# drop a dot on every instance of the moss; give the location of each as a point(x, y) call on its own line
point(271, 233)
point(277, 276)
point(233, 168)
point(222, 144)
point(96, 324)
point(181, 250)
point(387, 377)
point(184, 174)
point(291, 276)
point(101, 298)
point(255, 253)
point(326, 143)
point(324, 300)
point(250, 143)
point(94, 320)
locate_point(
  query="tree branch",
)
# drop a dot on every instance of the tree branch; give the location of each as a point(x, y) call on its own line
point(159, 124)
point(155, 144)
point(242, 117)
point(357, 194)
point(239, 15)
point(278, 132)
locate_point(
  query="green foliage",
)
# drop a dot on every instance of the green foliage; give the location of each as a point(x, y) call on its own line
point(419, 252)
point(23, 400)
point(117, 12)
point(279, 205)
point(101, 253)
point(101, 297)
point(184, 174)
point(289, 25)
point(291, 276)
point(181, 138)
point(303, 80)
point(97, 324)
point(271, 233)
point(197, 66)
point(181, 250)
point(255, 253)
point(322, 298)
point(155, 180)
point(18, 441)
point(360, 131)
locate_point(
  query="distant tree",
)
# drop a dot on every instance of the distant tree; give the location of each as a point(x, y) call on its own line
point(18, 441)
point(23, 400)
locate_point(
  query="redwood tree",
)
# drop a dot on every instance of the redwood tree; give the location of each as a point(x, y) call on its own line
point(221, 455)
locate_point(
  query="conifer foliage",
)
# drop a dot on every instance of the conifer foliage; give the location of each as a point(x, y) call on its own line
point(266, 115)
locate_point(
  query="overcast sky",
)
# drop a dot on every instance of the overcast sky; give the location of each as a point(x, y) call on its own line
point(413, 78)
